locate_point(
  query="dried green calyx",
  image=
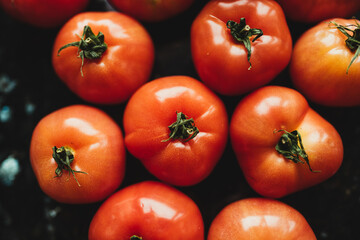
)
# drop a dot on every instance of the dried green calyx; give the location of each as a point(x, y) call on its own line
point(64, 156)
point(184, 128)
point(291, 147)
point(90, 46)
point(242, 33)
point(353, 39)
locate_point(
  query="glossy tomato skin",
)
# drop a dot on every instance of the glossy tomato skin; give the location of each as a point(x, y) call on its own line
point(260, 219)
point(151, 210)
point(43, 13)
point(254, 132)
point(153, 108)
point(221, 62)
point(98, 147)
point(151, 11)
point(312, 11)
point(124, 66)
point(319, 64)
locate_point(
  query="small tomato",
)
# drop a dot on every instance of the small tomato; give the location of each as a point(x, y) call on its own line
point(260, 219)
point(177, 128)
point(78, 154)
point(147, 210)
point(103, 57)
point(281, 144)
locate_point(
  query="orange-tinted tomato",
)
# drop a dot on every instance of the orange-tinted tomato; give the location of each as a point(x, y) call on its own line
point(43, 13)
point(320, 63)
point(185, 158)
point(124, 66)
point(260, 219)
point(312, 11)
point(147, 210)
point(95, 144)
point(151, 11)
point(222, 62)
point(261, 123)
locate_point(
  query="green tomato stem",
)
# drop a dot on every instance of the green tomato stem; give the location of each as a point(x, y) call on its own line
point(90, 46)
point(183, 128)
point(134, 237)
point(352, 41)
point(242, 33)
point(64, 156)
point(290, 146)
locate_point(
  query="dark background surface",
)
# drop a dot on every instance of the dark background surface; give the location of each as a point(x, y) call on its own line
point(29, 89)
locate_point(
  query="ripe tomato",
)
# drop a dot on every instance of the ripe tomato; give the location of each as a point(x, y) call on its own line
point(312, 11)
point(177, 128)
point(147, 210)
point(260, 219)
point(151, 11)
point(115, 56)
point(78, 154)
point(320, 67)
point(43, 13)
point(223, 62)
point(274, 128)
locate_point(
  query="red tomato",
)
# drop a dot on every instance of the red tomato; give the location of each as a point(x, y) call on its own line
point(312, 11)
point(147, 210)
point(320, 67)
point(151, 11)
point(43, 13)
point(260, 219)
point(78, 154)
point(274, 128)
point(223, 62)
point(118, 56)
point(178, 129)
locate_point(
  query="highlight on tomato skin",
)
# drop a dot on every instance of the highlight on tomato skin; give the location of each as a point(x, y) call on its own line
point(325, 63)
point(260, 219)
point(177, 128)
point(147, 210)
point(78, 154)
point(43, 14)
point(151, 11)
point(281, 144)
point(103, 57)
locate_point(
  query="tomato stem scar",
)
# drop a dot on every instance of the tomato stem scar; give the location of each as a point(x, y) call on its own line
point(352, 41)
point(64, 156)
point(291, 147)
point(242, 33)
point(90, 46)
point(184, 128)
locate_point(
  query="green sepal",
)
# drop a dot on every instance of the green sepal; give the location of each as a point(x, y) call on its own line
point(242, 33)
point(134, 237)
point(90, 46)
point(184, 128)
point(290, 146)
point(63, 158)
point(352, 41)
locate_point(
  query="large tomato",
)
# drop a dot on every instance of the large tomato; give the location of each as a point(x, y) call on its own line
point(273, 130)
point(147, 210)
point(230, 36)
point(312, 11)
point(151, 10)
point(43, 13)
point(178, 129)
point(109, 56)
point(325, 63)
point(260, 219)
point(78, 154)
